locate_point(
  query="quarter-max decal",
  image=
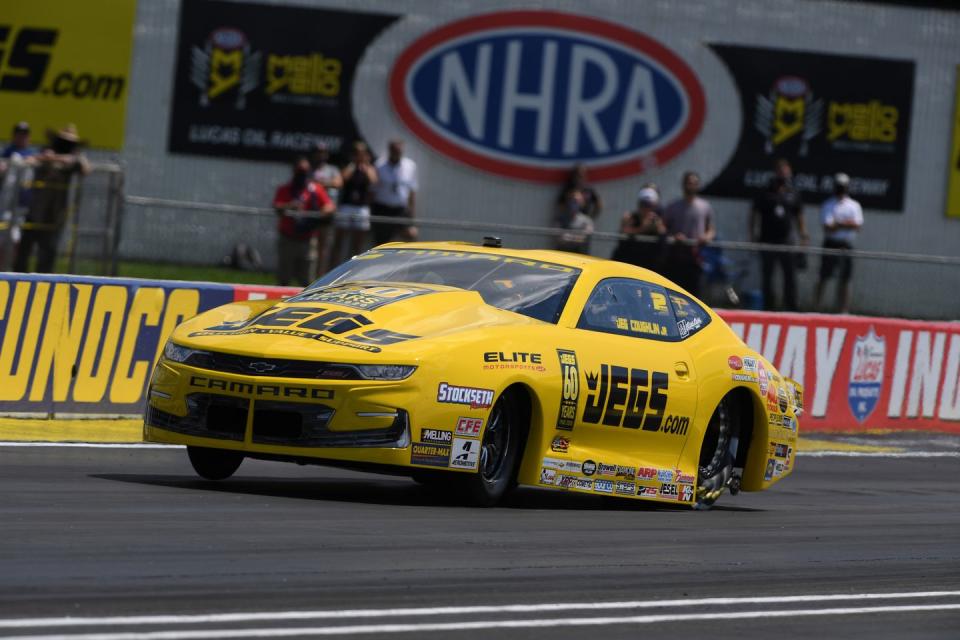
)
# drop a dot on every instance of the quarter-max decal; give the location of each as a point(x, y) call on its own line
point(524, 94)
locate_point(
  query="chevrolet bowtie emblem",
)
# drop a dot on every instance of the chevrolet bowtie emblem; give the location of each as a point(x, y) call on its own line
point(261, 367)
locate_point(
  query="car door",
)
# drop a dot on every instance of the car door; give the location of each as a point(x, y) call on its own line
point(638, 385)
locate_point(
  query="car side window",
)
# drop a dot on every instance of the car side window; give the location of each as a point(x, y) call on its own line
point(691, 317)
point(628, 307)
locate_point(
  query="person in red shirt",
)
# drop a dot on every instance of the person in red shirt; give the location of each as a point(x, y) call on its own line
point(303, 208)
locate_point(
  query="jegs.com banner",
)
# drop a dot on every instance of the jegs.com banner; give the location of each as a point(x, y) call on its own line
point(266, 81)
point(824, 113)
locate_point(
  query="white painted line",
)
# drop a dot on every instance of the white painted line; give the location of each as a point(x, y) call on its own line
point(880, 454)
point(212, 634)
point(94, 445)
point(460, 610)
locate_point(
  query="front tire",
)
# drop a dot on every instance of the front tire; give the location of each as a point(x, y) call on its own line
point(499, 452)
point(718, 454)
point(214, 464)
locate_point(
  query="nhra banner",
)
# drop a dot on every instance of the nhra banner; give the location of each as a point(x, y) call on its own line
point(66, 61)
point(862, 373)
point(825, 114)
point(264, 81)
point(74, 344)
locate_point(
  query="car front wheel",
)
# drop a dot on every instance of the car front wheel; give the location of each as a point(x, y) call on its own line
point(499, 452)
point(214, 464)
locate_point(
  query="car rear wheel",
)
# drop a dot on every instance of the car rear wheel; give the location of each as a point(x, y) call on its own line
point(214, 464)
point(499, 452)
point(717, 454)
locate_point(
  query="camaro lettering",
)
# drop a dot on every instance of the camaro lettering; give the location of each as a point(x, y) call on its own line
point(271, 390)
point(476, 398)
point(626, 397)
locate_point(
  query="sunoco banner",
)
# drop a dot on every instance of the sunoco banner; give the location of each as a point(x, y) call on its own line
point(825, 114)
point(266, 81)
point(73, 344)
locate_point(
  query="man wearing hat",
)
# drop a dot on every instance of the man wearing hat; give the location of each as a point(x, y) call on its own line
point(842, 218)
point(642, 226)
point(55, 167)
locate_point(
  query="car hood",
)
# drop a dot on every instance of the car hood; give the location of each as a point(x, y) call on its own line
point(343, 323)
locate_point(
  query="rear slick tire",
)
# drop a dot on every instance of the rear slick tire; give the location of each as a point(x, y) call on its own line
point(214, 464)
point(499, 453)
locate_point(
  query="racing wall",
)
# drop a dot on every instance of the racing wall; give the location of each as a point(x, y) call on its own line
point(496, 100)
point(84, 345)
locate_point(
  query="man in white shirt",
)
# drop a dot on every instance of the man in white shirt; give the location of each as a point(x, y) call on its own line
point(394, 194)
point(842, 218)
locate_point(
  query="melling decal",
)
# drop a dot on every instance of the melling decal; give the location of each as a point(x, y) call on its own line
point(524, 94)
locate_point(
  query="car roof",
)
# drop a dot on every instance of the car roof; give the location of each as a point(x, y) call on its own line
point(598, 267)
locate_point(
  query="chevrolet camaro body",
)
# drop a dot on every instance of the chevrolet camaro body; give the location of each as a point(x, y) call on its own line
point(460, 362)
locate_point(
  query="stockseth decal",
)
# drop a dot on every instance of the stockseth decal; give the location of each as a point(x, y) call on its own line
point(465, 453)
point(631, 398)
point(523, 94)
point(866, 374)
point(469, 427)
point(475, 398)
point(570, 392)
point(436, 436)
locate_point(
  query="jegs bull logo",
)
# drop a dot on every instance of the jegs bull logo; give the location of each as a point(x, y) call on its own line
point(866, 374)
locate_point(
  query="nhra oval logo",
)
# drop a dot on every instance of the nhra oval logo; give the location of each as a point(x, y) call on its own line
point(526, 94)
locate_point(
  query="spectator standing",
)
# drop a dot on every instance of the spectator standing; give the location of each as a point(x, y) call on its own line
point(302, 207)
point(395, 194)
point(689, 223)
point(327, 176)
point(352, 219)
point(842, 218)
point(16, 175)
point(49, 207)
point(773, 216)
point(578, 205)
point(641, 226)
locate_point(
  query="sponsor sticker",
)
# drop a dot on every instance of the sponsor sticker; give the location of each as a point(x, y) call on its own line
point(683, 478)
point(583, 484)
point(782, 399)
point(626, 488)
point(571, 465)
point(548, 476)
point(513, 360)
point(778, 469)
point(743, 377)
point(432, 455)
point(627, 473)
point(647, 473)
point(647, 492)
point(475, 398)
point(771, 465)
point(735, 363)
point(466, 453)
point(552, 463)
point(686, 493)
point(607, 469)
point(589, 467)
point(436, 436)
point(669, 491)
point(603, 486)
point(750, 365)
point(560, 444)
point(570, 389)
point(565, 482)
point(762, 378)
point(469, 427)
point(664, 475)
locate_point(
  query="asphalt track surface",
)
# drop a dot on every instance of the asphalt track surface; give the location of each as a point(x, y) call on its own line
point(117, 543)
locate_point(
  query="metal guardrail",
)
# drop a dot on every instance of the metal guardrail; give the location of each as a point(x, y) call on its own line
point(459, 225)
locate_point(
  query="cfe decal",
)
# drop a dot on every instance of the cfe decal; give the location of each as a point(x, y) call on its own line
point(866, 374)
point(570, 389)
point(313, 323)
point(524, 94)
point(631, 398)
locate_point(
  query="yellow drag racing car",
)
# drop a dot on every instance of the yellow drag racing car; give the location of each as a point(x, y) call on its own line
point(479, 368)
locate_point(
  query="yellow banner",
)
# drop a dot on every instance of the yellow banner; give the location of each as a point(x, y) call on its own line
point(953, 177)
point(66, 61)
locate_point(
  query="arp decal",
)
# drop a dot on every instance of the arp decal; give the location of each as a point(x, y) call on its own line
point(524, 93)
point(631, 398)
point(313, 323)
point(570, 392)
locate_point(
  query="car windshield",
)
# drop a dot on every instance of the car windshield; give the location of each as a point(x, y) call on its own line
point(529, 287)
